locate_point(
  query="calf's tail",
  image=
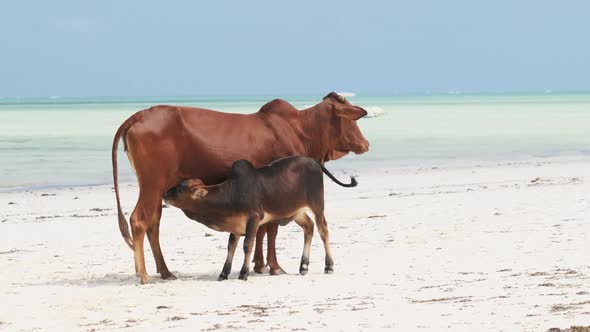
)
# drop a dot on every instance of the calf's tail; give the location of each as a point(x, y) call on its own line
point(352, 183)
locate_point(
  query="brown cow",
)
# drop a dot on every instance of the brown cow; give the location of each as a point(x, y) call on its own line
point(251, 197)
point(168, 144)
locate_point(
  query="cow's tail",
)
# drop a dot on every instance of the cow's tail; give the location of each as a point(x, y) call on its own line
point(121, 132)
point(352, 183)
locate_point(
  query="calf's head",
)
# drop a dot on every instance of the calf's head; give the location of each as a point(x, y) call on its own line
point(344, 133)
point(186, 194)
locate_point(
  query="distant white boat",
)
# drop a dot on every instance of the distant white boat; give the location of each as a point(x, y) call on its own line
point(374, 111)
point(347, 94)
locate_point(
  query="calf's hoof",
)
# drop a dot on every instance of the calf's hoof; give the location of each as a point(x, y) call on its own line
point(329, 270)
point(243, 276)
point(168, 276)
point(303, 269)
point(222, 277)
point(276, 272)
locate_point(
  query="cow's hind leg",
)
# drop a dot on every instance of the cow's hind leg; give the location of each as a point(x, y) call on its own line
point(307, 225)
point(138, 229)
point(231, 249)
point(259, 264)
point(272, 230)
point(153, 233)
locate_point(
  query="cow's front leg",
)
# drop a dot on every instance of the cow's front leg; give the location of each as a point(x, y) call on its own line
point(259, 264)
point(251, 229)
point(271, 255)
point(231, 249)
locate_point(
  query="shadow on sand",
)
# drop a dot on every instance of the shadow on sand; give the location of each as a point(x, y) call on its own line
point(124, 279)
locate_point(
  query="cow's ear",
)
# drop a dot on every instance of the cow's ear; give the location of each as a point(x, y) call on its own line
point(199, 193)
point(352, 113)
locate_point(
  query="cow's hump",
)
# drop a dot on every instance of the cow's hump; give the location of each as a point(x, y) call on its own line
point(278, 107)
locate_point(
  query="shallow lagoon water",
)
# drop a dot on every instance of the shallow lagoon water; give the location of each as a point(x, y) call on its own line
point(47, 142)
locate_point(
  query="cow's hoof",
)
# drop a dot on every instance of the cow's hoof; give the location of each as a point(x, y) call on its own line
point(144, 279)
point(329, 270)
point(243, 277)
point(222, 277)
point(276, 272)
point(261, 269)
point(168, 276)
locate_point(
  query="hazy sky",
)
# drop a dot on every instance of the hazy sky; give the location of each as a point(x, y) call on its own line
point(147, 48)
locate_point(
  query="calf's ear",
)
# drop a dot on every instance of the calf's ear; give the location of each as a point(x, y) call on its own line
point(196, 182)
point(199, 193)
point(352, 113)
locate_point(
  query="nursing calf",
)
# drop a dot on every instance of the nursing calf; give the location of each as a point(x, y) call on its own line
point(280, 192)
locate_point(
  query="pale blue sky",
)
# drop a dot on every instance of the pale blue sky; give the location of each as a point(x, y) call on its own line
point(171, 48)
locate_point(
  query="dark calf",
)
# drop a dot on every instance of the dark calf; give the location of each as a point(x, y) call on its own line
point(280, 192)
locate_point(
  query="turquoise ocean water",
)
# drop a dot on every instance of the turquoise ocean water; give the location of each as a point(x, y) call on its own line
point(47, 142)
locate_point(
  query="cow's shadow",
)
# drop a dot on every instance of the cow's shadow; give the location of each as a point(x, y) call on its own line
point(125, 279)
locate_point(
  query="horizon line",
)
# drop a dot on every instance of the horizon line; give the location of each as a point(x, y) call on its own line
point(355, 94)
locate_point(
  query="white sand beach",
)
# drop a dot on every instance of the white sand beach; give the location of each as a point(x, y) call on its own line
point(480, 246)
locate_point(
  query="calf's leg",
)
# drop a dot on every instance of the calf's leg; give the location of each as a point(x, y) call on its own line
point(324, 234)
point(231, 249)
point(305, 222)
point(251, 229)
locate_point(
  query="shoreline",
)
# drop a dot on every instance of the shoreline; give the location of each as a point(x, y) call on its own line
point(350, 164)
